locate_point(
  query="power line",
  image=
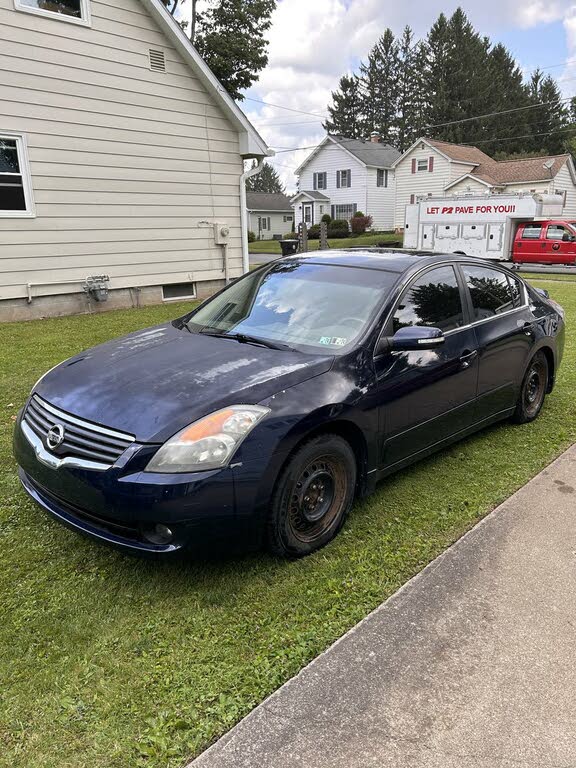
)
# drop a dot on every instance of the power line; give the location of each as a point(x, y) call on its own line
point(289, 109)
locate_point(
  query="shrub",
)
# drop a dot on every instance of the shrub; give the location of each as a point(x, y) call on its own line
point(338, 233)
point(290, 236)
point(339, 224)
point(314, 232)
point(327, 218)
point(358, 214)
point(360, 223)
point(251, 237)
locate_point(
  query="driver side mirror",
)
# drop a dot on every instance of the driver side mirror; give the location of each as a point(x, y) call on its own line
point(411, 338)
point(568, 238)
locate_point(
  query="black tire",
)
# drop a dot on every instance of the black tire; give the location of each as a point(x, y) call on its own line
point(312, 498)
point(533, 391)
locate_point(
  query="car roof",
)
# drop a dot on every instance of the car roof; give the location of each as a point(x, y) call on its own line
point(387, 260)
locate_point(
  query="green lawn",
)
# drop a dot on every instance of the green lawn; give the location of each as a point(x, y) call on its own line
point(273, 246)
point(109, 662)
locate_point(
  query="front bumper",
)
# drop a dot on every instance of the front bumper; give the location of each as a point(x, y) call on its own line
point(120, 505)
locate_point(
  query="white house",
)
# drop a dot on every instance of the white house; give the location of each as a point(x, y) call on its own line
point(121, 158)
point(270, 214)
point(437, 168)
point(343, 176)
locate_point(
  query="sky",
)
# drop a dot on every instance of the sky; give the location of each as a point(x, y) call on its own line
point(312, 43)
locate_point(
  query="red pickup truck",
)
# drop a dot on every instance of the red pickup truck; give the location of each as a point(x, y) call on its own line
point(545, 242)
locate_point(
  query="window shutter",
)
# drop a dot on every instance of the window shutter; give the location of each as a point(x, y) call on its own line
point(349, 177)
point(332, 211)
point(411, 199)
point(413, 165)
point(431, 164)
point(338, 179)
point(386, 178)
point(355, 208)
point(315, 182)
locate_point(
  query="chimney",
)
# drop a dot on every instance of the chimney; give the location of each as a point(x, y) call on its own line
point(375, 137)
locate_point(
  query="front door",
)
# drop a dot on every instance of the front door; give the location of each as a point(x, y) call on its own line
point(529, 244)
point(427, 396)
point(559, 248)
point(503, 325)
point(308, 214)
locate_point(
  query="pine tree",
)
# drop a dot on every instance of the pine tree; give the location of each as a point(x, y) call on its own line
point(267, 180)
point(547, 122)
point(346, 109)
point(379, 88)
point(409, 122)
point(506, 133)
point(437, 107)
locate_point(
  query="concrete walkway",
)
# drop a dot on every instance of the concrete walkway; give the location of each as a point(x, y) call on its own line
point(472, 664)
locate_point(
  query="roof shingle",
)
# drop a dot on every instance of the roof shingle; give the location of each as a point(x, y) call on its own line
point(268, 201)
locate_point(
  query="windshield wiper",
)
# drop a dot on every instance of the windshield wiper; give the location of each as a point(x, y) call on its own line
point(243, 338)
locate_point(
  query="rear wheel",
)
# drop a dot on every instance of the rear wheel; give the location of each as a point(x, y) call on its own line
point(533, 392)
point(313, 497)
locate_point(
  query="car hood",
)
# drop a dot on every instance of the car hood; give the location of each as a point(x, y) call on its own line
point(155, 382)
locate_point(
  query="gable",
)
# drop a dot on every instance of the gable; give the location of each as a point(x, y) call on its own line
point(251, 143)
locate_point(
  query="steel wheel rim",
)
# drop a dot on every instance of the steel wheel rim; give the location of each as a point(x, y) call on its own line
point(316, 498)
point(534, 387)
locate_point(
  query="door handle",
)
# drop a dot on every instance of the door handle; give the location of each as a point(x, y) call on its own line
point(468, 358)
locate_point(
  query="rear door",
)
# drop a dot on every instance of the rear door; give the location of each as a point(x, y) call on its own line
point(504, 328)
point(529, 243)
point(558, 245)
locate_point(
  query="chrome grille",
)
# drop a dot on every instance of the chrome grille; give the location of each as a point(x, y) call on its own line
point(83, 441)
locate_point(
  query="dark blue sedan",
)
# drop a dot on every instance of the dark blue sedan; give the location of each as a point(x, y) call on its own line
point(260, 415)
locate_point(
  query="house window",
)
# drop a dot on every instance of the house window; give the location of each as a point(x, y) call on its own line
point(422, 165)
point(15, 188)
point(320, 180)
point(178, 291)
point(381, 177)
point(344, 211)
point(288, 218)
point(264, 222)
point(344, 178)
point(76, 11)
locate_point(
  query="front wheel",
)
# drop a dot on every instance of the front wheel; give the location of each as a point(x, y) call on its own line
point(313, 497)
point(533, 392)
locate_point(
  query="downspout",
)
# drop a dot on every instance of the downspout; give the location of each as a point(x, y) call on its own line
point(244, 213)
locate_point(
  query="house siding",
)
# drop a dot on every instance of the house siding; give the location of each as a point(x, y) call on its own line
point(277, 224)
point(421, 183)
point(330, 159)
point(468, 186)
point(128, 166)
point(563, 182)
point(380, 200)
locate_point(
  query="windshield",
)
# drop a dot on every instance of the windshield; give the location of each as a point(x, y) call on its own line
point(316, 305)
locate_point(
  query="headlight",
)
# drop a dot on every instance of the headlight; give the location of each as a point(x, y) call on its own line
point(208, 443)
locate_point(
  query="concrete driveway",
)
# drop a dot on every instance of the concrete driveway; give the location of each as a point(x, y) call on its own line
point(471, 665)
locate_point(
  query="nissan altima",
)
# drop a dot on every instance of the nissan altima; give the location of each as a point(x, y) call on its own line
point(259, 416)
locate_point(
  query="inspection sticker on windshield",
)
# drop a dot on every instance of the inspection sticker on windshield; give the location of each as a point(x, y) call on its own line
point(333, 341)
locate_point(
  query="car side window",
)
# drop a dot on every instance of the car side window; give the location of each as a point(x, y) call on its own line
point(531, 231)
point(517, 291)
point(433, 300)
point(491, 292)
point(556, 232)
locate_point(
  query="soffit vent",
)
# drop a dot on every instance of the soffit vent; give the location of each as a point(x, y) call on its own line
point(157, 60)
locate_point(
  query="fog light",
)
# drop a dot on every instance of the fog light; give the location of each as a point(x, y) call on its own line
point(160, 534)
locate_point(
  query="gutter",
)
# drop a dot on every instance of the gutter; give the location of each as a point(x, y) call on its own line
point(244, 213)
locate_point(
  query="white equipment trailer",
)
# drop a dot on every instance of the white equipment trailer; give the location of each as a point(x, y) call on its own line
point(476, 225)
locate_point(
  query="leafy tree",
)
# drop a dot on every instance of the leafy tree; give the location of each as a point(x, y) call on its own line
point(345, 113)
point(230, 37)
point(267, 180)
